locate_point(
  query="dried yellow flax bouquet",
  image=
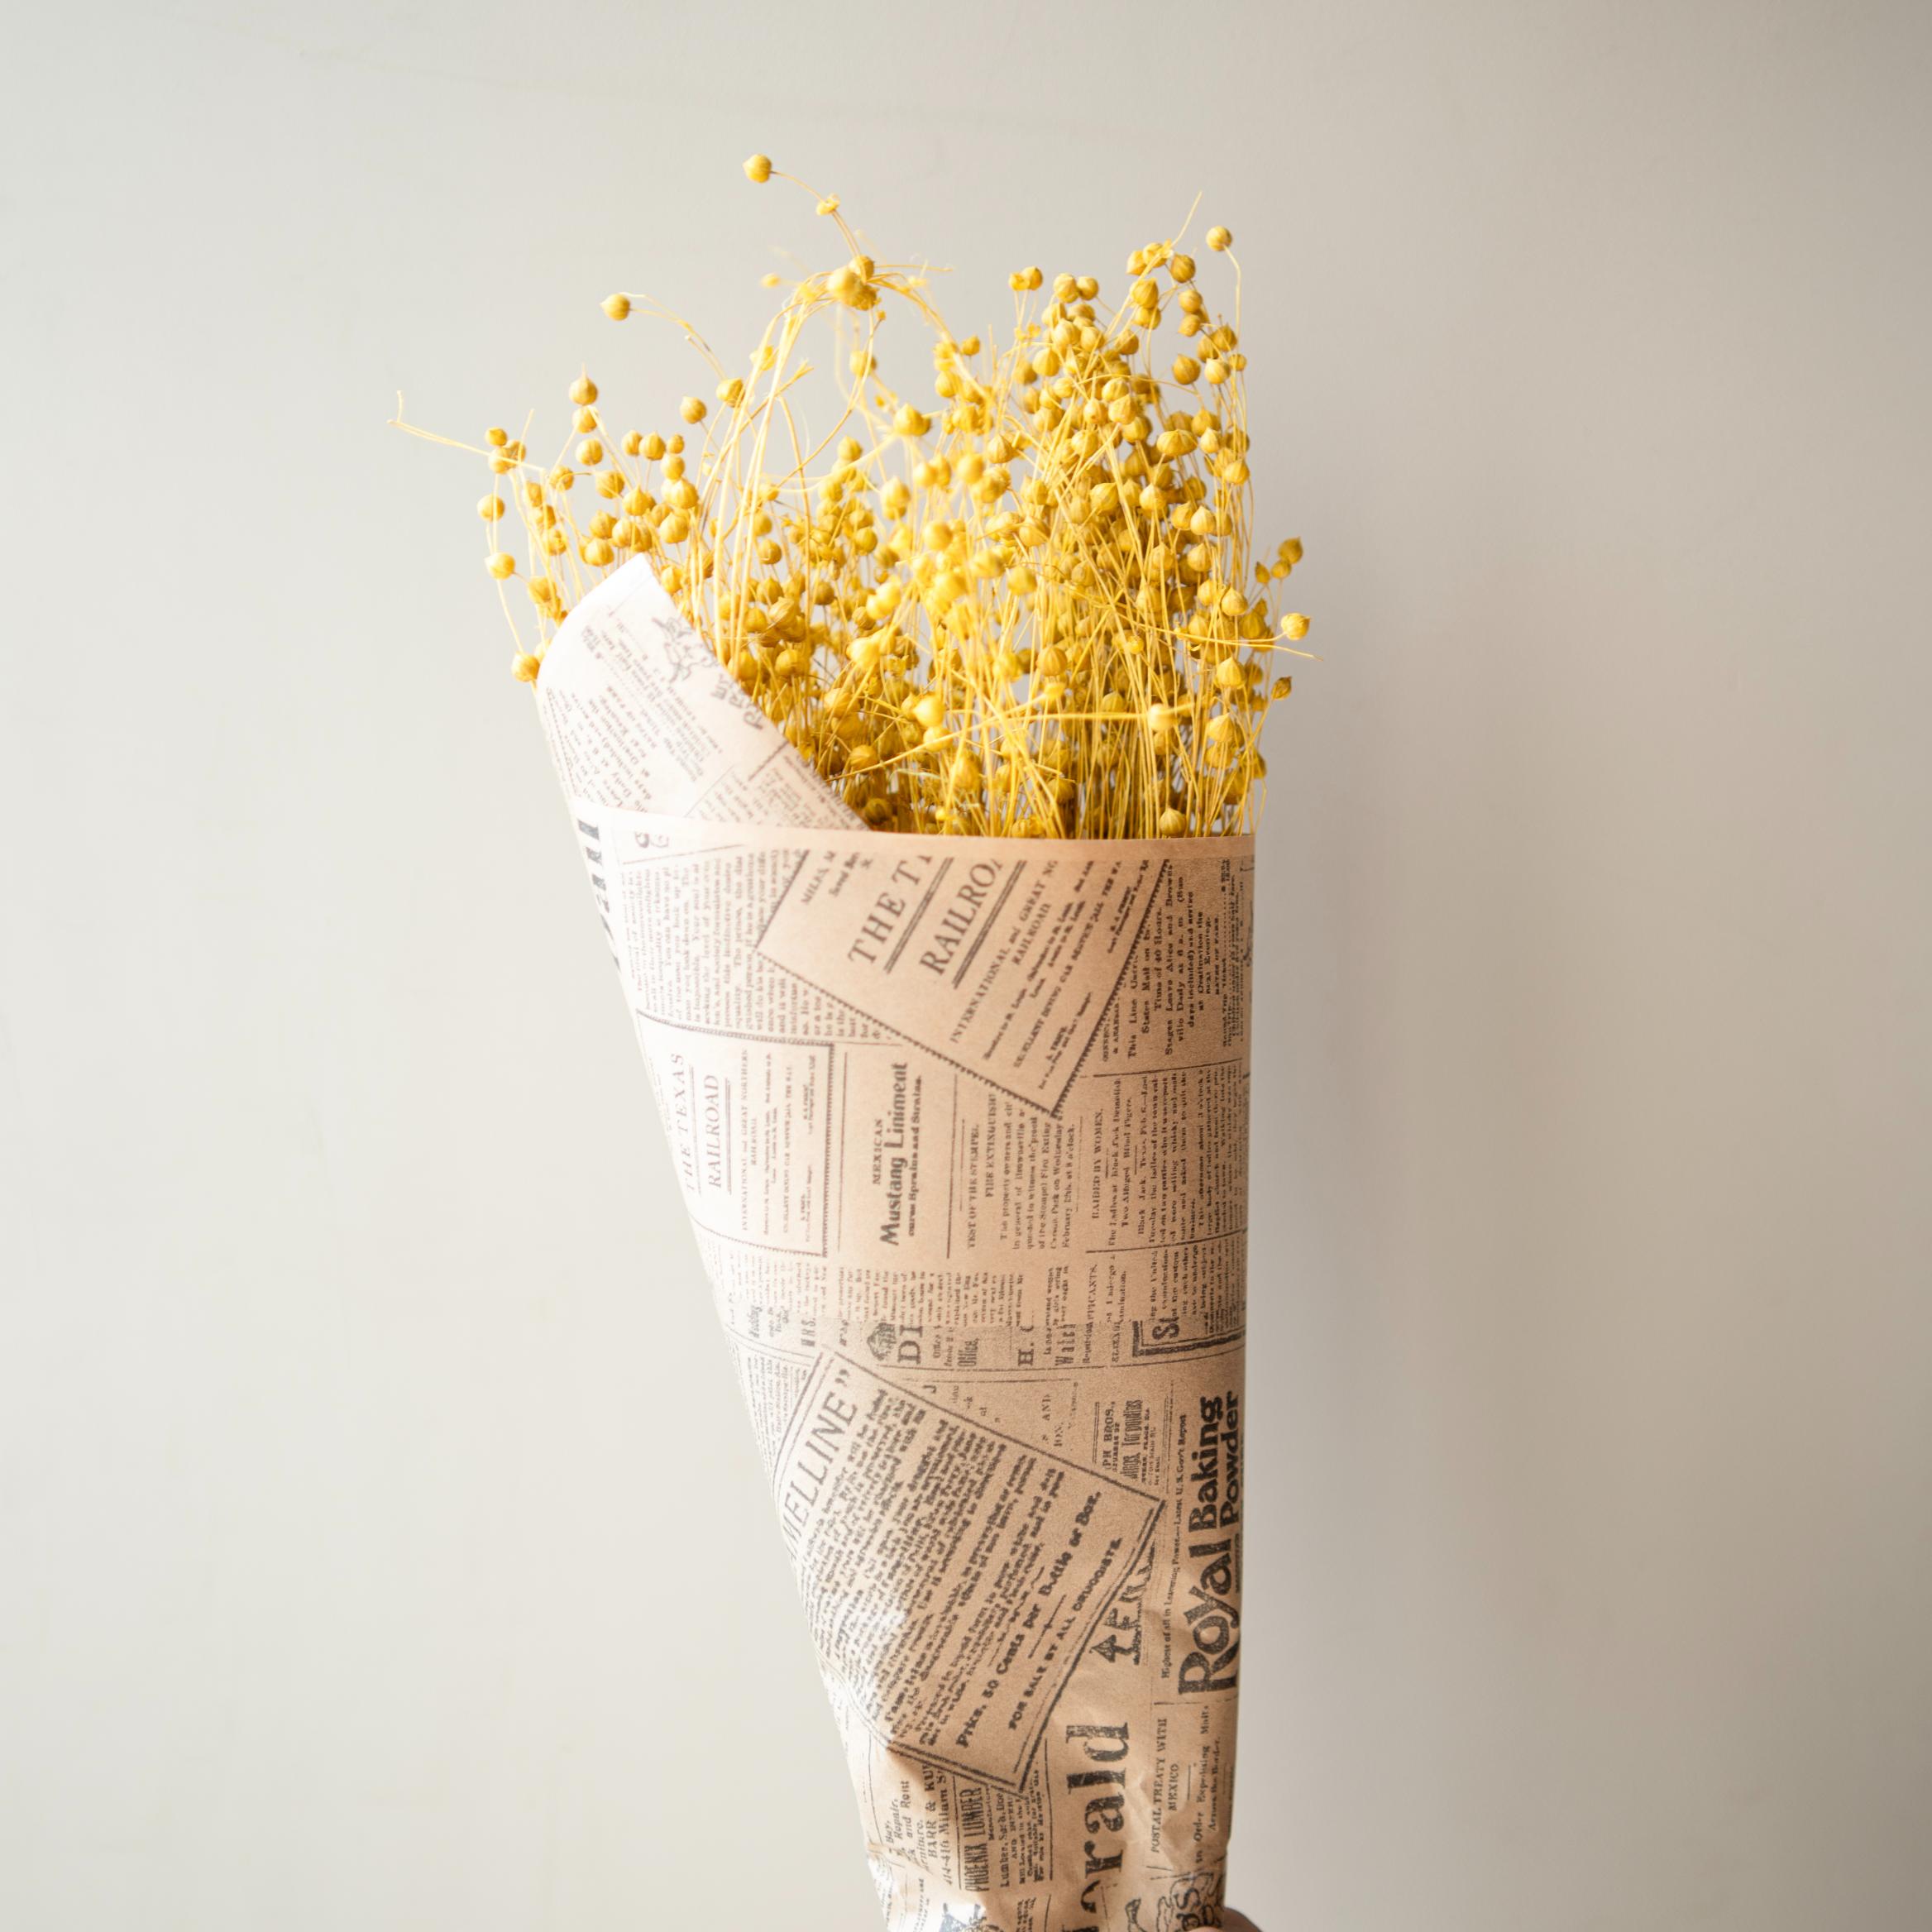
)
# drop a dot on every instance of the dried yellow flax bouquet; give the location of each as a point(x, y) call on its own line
point(913, 754)
point(1026, 603)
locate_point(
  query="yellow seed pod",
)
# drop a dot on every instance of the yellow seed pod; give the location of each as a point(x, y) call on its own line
point(1233, 604)
point(524, 667)
point(1186, 369)
point(499, 563)
point(758, 168)
point(490, 509)
point(1215, 370)
point(829, 205)
point(1220, 240)
point(1231, 675)
point(1290, 552)
point(1282, 687)
point(1181, 267)
point(496, 438)
point(1294, 626)
point(654, 447)
point(583, 391)
point(584, 421)
point(1173, 824)
point(617, 307)
point(591, 453)
point(910, 421)
point(731, 392)
point(692, 409)
point(1023, 278)
point(557, 543)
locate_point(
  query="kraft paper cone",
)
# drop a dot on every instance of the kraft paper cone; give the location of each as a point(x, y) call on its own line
point(962, 1128)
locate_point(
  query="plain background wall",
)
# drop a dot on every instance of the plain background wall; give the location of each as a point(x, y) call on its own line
point(380, 1545)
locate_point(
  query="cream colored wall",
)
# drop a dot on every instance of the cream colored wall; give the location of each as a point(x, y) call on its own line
point(354, 1368)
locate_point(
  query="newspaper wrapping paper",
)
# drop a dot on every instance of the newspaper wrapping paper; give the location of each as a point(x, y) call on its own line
point(962, 1127)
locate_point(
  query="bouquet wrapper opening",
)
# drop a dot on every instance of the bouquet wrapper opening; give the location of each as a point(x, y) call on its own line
point(962, 1125)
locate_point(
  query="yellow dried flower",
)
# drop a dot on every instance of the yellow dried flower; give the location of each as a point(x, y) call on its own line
point(1022, 611)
